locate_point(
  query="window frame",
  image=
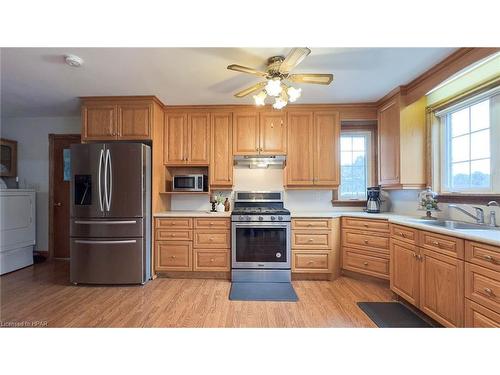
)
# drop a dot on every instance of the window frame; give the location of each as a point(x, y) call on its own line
point(444, 146)
point(371, 158)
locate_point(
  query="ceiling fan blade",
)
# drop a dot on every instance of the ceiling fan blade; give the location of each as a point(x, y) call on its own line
point(320, 79)
point(244, 69)
point(293, 59)
point(249, 90)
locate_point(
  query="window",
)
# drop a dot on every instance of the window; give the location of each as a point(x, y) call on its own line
point(470, 146)
point(355, 164)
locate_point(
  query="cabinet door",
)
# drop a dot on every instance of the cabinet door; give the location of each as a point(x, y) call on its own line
point(388, 150)
point(221, 150)
point(404, 275)
point(442, 288)
point(273, 133)
point(326, 148)
point(299, 165)
point(99, 122)
point(246, 133)
point(175, 139)
point(199, 139)
point(134, 121)
point(174, 255)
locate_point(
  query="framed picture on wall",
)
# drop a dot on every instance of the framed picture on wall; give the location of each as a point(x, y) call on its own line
point(8, 158)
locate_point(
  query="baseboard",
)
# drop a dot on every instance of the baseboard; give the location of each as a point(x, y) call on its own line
point(194, 275)
point(360, 276)
point(313, 276)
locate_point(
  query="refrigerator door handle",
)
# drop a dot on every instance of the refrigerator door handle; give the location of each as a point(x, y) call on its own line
point(106, 203)
point(101, 156)
point(92, 222)
point(104, 242)
point(110, 174)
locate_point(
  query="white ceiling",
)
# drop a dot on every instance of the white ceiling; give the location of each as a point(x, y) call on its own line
point(37, 82)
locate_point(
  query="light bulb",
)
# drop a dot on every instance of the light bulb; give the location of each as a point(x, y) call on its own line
point(273, 87)
point(293, 94)
point(260, 98)
point(279, 103)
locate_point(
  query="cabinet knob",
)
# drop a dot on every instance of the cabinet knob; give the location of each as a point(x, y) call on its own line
point(211, 223)
point(435, 243)
point(311, 239)
point(489, 258)
point(310, 262)
point(489, 291)
point(173, 235)
point(366, 225)
point(366, 242)
point(365, 263)
point(211, 238)
point(173, 257)
point(401, 234)
point(212, 260)
point(58, 204)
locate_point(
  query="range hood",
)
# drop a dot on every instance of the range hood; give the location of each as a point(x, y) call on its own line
point(260, 161)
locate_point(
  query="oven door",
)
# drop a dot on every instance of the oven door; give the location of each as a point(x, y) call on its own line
point(186, 183)
point(261, 245)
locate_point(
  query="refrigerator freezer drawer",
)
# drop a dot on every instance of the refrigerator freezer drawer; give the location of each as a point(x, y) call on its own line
point(102, 261)
point(132, 227)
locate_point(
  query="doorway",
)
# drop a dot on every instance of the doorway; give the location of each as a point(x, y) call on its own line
point(59, 194)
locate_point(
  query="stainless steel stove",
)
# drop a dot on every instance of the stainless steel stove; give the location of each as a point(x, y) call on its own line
point(260, 248)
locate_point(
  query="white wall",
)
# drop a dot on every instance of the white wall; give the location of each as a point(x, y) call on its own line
point(31, 133)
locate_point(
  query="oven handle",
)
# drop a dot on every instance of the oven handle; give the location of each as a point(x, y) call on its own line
point(261, 224)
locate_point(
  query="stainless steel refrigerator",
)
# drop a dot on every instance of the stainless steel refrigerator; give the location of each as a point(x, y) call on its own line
point(110, 225)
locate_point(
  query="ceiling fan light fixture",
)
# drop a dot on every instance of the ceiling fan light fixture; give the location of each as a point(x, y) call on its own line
point(260, 98)
point(279, 103)
point(293, 94)
point(273, 87)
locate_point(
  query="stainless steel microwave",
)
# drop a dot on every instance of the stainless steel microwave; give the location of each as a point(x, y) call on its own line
point(190, 182)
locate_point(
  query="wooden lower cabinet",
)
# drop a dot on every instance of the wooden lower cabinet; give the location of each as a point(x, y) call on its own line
point(364, 262)
point(477, 316)
point(404, 273)
point(442, 288)
point(311, 261)
point(179, 247)
point(174, 255)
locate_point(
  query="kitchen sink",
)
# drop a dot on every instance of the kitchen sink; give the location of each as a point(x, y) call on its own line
point(450, 224)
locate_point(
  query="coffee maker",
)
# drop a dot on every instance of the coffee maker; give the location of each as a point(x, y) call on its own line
point(373, 199)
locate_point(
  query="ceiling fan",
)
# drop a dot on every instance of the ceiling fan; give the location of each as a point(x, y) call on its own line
point(277, 76)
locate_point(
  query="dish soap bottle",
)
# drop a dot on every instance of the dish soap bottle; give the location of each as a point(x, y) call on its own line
point(227, 205)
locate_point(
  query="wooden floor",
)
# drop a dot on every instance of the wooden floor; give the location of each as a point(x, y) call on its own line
point(43, 294)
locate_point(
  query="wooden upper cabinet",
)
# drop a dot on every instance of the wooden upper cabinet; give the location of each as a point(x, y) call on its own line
point(221, 150)
point(388, 135)
point(175, 139)
point(313, 149)
point(199, 138)
point(120, 118)
point(273, 133)
point(402, 143)
point(300, 158)
point(326, 148)
point(135, 121)
point(246, 133)
point(99, 121)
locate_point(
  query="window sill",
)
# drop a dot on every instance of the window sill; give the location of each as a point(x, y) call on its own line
point(467, 198)
point(349, 203)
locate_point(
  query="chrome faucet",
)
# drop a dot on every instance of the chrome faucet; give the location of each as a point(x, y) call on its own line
point(479, 217)
point(493, 217)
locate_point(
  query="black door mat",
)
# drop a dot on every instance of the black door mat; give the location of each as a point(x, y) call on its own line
point(392, 315)
point(262, 292)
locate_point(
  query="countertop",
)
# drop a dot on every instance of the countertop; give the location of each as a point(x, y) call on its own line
point(491, 237)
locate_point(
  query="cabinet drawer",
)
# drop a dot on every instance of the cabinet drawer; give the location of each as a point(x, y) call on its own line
point(311, 224)
point(309, 239)
point(318, 262)
point(477, 316)
point(211, 260)
point(174, 255)
point(366, 264)
point(483, 255)
point(351, 238)
point(211, 239)
point(366, 224)
point(403, 233)
point(212, 223)
point(174, 223)
point(483, 286)
point(446, 245)
point(176, 235)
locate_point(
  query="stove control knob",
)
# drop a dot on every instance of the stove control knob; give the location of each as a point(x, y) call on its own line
point(280, 218)
point(242, 217)
point(261, 218)
point(273, 218)
point(248, 218)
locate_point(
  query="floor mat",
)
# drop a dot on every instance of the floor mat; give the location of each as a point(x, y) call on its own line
point(392, 315)
point(262, 292)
